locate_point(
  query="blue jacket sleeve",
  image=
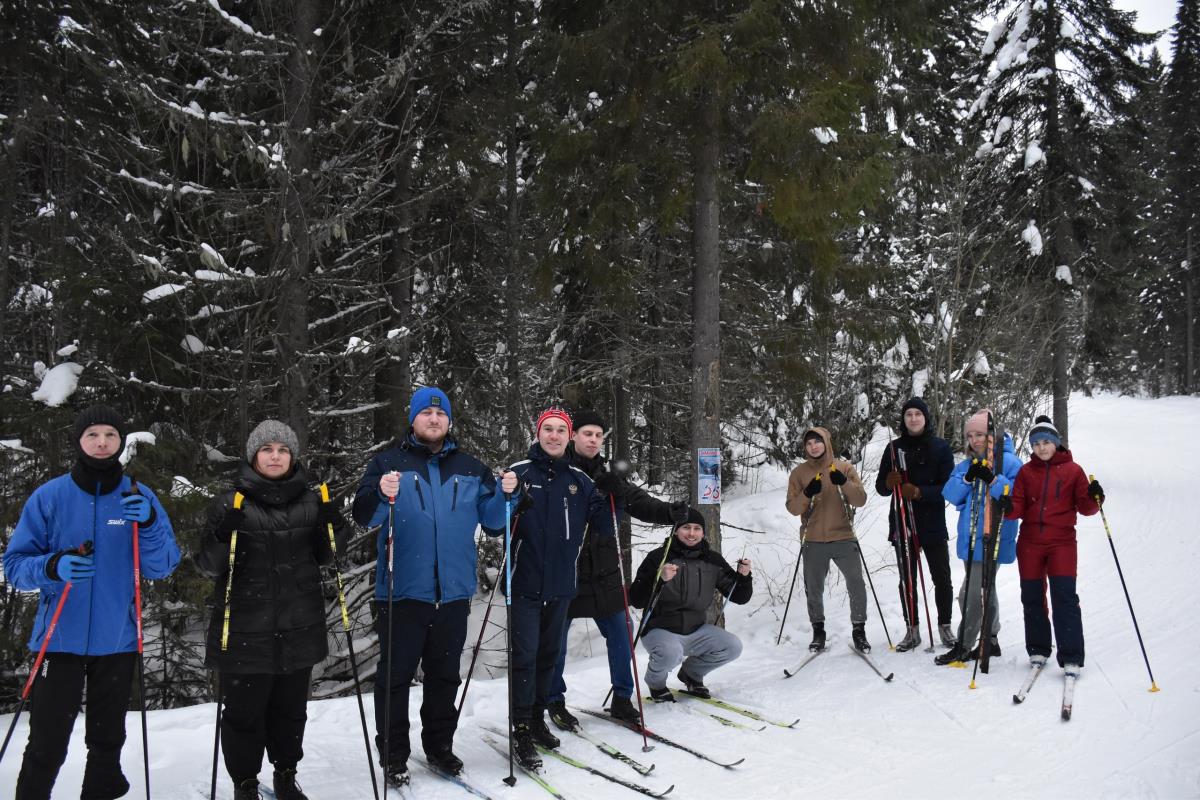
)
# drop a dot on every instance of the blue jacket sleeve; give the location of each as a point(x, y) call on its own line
point(491, 502)
point(956, 490)
point(29, 548)
point(157, 549)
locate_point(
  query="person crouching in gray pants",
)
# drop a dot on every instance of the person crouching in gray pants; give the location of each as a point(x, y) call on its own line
point(677, 601)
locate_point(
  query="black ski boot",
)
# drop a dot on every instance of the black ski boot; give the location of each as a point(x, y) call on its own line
point(397, 775)
point(541, 734)
point(911, 640)
point(662, 695)
point(564, 719)
point(247, 790)
point(993, 647)
point(524, 748)
point(622, 708)
point(818, 642)
point(859, 635)
point(952, 655)
point(693, 686)
point(286, 788)
point(446, 761)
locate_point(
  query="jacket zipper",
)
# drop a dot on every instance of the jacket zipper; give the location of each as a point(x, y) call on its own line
point(454, 501)
point(420, 495)
point(1045, 499)
point(566, 521)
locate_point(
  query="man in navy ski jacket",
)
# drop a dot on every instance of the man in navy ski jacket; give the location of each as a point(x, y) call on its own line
point(95, 641)
point(562, 505)
point(441, 495)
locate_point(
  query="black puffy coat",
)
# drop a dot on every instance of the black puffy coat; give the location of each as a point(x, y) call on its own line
point(929, 461)
point(599, 591)
point(277, 607)
point(683, 602)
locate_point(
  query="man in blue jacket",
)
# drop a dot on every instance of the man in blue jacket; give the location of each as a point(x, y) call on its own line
point(76, 530)
point(439, 496)
point(927, 465)
point(562, 505)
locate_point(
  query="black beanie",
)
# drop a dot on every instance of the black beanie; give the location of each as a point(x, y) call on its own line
point(919, 404)
point(693, 516)
point(99, 415)
point(588, 417)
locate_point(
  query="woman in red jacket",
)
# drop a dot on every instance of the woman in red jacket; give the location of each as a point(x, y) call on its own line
point(1048, 494)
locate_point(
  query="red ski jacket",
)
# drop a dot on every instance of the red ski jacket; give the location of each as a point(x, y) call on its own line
point(1047, 495)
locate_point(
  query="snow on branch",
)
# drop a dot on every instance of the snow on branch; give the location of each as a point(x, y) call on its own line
point(238, 23)
point(185, 188)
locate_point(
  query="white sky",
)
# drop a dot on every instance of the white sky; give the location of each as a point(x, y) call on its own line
point(1153, 15)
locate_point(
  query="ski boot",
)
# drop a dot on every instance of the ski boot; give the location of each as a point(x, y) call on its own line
point(541, 734)
point(910, 640)
point(562, 718)
point(247, 790)
point(445, 761)
point(954, 655)
point(818, 641)
point(524, 748)
point(693, 686)
point(286, 788)
point(948, 637)
point(661, 695)
point(622, 708)
point(859, 635)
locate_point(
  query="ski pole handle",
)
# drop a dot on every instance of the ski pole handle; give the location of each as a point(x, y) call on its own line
point(324, 490)
point(237, 504)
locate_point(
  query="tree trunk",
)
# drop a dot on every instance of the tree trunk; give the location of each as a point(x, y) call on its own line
point(706, 301)
point(518, 426)
point(1056, 229)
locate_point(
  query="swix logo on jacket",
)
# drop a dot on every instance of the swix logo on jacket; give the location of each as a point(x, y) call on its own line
point(98, 617)
point(548, 535)
point(443, 498)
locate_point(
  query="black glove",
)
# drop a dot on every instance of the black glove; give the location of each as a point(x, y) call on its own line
point(233, 520)
point(679, 512)
point(837, 477)
point(1004, 503)
point(980, 471)
point(1096, 491)
point(329, 514)
point(814, 488)
point(608, 482)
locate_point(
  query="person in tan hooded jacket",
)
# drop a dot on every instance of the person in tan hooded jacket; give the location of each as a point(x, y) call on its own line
point(816, 490)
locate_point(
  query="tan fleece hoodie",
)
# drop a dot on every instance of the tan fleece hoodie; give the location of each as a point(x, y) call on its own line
point(828, 522)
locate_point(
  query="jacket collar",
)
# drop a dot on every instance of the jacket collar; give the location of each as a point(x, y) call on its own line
point(279, 492)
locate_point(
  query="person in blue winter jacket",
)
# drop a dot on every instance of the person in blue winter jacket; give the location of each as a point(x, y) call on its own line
point(560, 504)
point(95, 641)
point(438, 495)
point(959, 491)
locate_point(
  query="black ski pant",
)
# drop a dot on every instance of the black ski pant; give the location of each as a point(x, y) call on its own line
point(937, 557)
point(537, 638)
point(57, 693)
point(433, 637)
point(264, 712)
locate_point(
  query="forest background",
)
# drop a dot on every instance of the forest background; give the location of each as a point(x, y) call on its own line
point(714, 222)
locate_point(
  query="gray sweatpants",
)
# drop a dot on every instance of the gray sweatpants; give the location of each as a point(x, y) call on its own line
point(844, 554)
point(705, 649)
point(971, 604)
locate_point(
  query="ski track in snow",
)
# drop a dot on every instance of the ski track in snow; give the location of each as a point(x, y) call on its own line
point(925, 734)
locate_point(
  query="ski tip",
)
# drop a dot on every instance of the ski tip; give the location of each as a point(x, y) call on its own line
point(733, 764)
point(666, 791)
point(794, 724)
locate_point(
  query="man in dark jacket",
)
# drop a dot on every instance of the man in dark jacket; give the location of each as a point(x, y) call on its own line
point(923, 463)
point(436, 496)
point(601, 595)
point(562, 504)
point(675, 584)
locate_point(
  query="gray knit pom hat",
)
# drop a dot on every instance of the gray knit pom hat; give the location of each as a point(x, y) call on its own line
point(272, 430)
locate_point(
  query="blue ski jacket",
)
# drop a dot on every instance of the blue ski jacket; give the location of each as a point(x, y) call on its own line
point(99, 616)
point(958, 492)
point(562, 505)
point(443, 498)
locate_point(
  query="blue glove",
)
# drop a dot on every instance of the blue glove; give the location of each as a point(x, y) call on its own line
point(70, 566)
point(137, 508)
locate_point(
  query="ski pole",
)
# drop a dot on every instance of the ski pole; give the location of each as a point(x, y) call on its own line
point(803, 540)
point(637, 681)
point(903, 549)
point(990, 555)
point(976, 493)
point(479, 641)
point(511, 780)
point(987, 526)
point(137, 602)
point(391, 626)
point(237, 504)
point(362, 712)
point(915, 538)
point(85, 549)
point(1121, 575)
point(725, 600)
point(212, 793)
point(866, 570)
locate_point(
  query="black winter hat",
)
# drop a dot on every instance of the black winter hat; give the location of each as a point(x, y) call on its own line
point(588, 417)
point(813, 434)
point(920, 405)
point(693, 516)
point(1043, 428)
point(99, 415)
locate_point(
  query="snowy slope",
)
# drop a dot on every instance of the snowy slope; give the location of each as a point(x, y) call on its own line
point(925, 734)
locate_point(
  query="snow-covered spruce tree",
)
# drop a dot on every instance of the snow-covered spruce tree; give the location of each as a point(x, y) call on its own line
point(1054, 75)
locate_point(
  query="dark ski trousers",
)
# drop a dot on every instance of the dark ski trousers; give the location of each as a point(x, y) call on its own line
point(263, 713)
point(537, 631)
point(937, 557)
point(55, 702)
point(1054, 563)
point(433, 637)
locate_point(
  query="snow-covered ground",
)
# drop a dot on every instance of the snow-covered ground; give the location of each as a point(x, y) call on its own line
point(926, 734)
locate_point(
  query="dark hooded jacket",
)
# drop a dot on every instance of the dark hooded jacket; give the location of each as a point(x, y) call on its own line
point(929, 462)
point(276, 606)
point(682, 603)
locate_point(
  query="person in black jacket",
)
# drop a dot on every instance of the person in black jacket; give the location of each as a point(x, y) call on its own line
point(929, 462)
point(560, 502)
point(675, 584)
point(601, 595)
point(276, 629)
